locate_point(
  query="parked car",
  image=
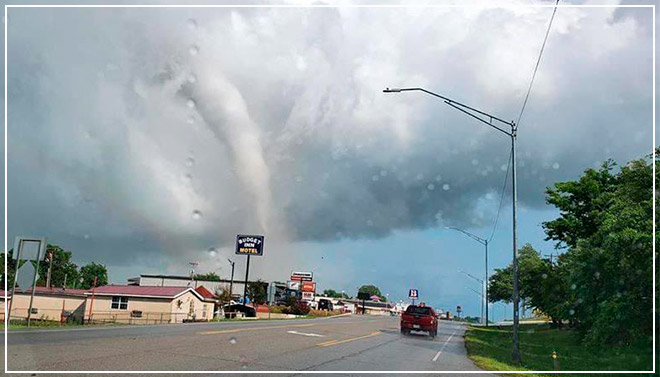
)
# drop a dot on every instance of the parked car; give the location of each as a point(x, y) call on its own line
point(419, 318)
point(231, 310)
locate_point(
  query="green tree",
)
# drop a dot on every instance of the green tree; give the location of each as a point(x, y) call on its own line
point(11, 269)
point(581, 204)
point(371, 290)
point(223, 294)
point(257, 292)
point(62, 267)
point(605, 222)
point(211, 276)
point(91, 270)
point(334, 294)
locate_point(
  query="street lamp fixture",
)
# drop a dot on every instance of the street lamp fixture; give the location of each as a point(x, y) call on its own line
point(510, 130)
point(481, 282)
point(484, 242)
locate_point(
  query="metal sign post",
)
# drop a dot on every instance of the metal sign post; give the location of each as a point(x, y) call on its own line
point(249, 245)
point(40, 251)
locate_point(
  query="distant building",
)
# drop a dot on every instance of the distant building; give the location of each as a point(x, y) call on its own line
point(49, 304)
point(149, 304)
point(185, 281)
point(370, 307)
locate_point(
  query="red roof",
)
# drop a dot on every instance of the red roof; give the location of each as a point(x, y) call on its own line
point(139, 290)
point(204, 292)
point(4, 293)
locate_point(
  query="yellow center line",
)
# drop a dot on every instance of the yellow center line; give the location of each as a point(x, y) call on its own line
point(229, 331)
point(336, 342)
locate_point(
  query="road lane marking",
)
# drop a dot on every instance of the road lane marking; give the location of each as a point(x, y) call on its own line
point(304, 333)
point(253, 329)
point(240, 329)
point(443, 347)
point(336, 342)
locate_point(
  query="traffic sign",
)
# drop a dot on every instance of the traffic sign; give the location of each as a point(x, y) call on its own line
point(302, 276)
point(250, 245)
point(413, 294)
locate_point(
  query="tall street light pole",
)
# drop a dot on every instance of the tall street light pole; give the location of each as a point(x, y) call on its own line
point(488, 119)
point(484, 242)
point(481, 283)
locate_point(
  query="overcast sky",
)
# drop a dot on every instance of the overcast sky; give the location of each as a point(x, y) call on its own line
point(147, 138)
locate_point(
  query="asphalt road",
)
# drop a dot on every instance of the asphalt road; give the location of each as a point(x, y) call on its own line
point(351, 343)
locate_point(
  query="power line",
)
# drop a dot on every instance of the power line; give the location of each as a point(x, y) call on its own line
point(506, 177)
point(538, 61)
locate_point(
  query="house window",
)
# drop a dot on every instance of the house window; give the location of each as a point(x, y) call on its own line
point(119, 302)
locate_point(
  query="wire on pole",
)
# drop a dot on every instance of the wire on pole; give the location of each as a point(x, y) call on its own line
point(538, 61)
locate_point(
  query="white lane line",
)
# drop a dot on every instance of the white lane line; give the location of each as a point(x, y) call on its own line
point(305, 334)
point(443, 347)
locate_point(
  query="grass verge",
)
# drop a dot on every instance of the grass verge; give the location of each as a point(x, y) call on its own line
point(490, 349)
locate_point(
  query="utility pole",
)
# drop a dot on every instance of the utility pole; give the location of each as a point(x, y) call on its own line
point(231, 281)
point(91, 304)
point(512, 133)
point(50, 267)
point(192, 272)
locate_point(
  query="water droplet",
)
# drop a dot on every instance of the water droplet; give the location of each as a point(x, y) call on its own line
point(192, 24)
point(193, 50)
point(196, 215)
point(370, 223)
point(190, 162)
point(187, 178)
point(597, 275)
point(190, 103)
point(190, 120)
point(555, 165)
point(573, 287)
point(233, 340)
point(420, 176)
point(503, 167)
point(86, 236)
point(571, 312)
point(475, 162)
point(213, 252)
point(374, 178)
point(445, 187)
point(383, 173)
point(438, 178)
point(545, 276)
point(192, 78)
point(430, 187)
point(299, 179)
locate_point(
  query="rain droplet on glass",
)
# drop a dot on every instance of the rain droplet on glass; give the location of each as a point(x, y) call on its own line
point(196, 215)
point(555, 165)
point(445, 187)
point(190, 162)
point(430, 187)
point(233, 340)
point(383, 173)
point(192, 78)
point(193, 50)
point(190, 103)
point(192, 24)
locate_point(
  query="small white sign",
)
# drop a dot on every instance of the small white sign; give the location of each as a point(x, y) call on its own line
point(413, 294)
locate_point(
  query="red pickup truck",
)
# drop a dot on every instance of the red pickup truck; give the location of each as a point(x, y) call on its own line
point(419, 318)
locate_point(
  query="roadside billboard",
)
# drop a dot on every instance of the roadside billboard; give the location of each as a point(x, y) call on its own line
point(249, 245)
point(308, 296)
point(302, 276)
point(293, 285)
point(308, 286)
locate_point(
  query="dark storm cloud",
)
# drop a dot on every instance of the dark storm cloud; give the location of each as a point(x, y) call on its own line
point(171, 130)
